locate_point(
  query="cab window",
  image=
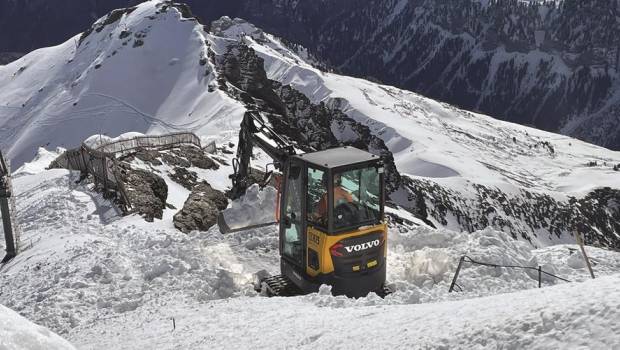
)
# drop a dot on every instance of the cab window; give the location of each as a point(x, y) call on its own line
point(357, 197)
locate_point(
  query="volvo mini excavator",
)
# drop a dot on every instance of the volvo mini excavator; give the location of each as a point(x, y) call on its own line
point(330, 211)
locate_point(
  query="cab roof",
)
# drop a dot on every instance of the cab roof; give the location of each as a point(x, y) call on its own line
point(338, 157)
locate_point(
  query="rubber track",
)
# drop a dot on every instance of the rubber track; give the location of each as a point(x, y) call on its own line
point(281, 286)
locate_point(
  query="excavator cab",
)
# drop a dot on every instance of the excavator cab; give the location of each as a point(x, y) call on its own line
point(332, 227)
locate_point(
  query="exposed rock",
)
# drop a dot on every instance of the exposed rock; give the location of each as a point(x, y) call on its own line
point(526, 214)
point(147, 192)
point(174, 159)
point(183, 156)
point(291, 113)
point(147, 156)
point(201, 209)
point(184, 177)
point(196, 157)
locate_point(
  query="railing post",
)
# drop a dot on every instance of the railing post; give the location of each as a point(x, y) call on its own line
point(583, 252)
point(539, 276)
point(456, 274)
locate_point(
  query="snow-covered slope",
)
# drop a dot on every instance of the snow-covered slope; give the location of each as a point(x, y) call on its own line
point(17, 333)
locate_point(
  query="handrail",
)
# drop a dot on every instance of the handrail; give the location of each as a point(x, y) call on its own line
point(156, 141)
point(466, 258)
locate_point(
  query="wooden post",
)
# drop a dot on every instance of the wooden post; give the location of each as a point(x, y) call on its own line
point(583, 252)
point(539, 276)
point(456, 274)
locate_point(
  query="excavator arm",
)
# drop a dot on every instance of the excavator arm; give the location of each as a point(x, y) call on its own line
point(256, 132)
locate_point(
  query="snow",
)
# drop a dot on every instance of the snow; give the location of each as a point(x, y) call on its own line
point(117, 282)
point(17, 333)
point(106, 281)
point(533, 320)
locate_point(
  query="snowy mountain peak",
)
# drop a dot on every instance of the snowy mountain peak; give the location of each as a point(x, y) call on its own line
point(141, 69)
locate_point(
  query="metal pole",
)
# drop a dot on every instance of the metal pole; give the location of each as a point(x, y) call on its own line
point(8, 229)
point(456, 274)
point(583, 252)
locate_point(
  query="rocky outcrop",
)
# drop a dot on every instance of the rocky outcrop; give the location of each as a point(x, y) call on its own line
point(291, 113)
point(184, 177)
point(183, 156)
point(201, 209)
point(147, 192)
point(528, 215)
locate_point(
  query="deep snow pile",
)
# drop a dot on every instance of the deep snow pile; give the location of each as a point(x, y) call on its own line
point(91, 275)
point(17, 333)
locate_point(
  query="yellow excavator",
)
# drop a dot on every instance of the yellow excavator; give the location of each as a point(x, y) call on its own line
point(330, 211)
point(7, 209)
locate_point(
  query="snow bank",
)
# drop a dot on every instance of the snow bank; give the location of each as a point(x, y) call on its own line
point(576, 316)
point(17, 333)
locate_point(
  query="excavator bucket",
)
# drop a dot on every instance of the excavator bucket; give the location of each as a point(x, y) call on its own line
point(225, 228)
point(253, 210)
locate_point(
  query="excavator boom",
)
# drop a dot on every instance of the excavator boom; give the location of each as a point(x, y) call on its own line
point(255, 132)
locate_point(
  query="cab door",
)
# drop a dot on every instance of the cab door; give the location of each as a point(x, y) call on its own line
point(292, 242)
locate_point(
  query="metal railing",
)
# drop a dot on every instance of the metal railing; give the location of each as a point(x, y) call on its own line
point(102, 166)
point(150, 142)
point(467, 259)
